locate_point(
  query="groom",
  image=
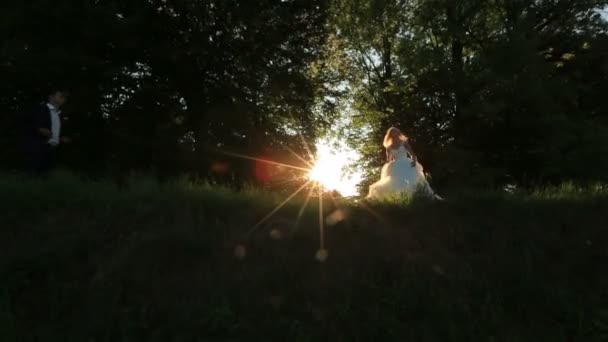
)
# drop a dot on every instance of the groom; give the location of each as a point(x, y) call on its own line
point(43, 132)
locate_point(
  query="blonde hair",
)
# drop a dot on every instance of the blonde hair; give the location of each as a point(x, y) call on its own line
point(388, 138)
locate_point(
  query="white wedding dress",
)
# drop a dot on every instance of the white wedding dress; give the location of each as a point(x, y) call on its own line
point(400, 177)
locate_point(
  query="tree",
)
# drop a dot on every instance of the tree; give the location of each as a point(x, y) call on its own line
point(487, 89)
point(160, 84)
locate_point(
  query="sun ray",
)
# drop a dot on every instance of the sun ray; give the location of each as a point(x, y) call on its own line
point(322, 254)
point(321, 220)
point(309, 163)
point(307, 148)
point(267, 161)
point(304, 143)
point(277, 208)
point(290, 180)
point(321, 175)
point(301, 212)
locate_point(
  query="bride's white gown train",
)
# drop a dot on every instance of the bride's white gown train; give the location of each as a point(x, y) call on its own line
point(400, 177)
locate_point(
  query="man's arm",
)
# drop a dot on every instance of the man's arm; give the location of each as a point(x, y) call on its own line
point(40, 122)
point(45, 132)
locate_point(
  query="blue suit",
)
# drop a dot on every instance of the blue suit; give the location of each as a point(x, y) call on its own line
point(38, 152)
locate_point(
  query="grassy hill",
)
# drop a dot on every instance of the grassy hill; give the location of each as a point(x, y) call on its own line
point(147, 262)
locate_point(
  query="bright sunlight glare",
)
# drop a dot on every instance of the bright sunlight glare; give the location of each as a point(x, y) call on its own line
point(330, 169)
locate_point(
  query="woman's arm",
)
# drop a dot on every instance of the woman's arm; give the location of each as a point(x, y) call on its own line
point(410, 150)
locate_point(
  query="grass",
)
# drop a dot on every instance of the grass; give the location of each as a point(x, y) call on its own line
point(88, 261)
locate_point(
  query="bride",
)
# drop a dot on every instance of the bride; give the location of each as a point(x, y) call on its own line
point(401, 174)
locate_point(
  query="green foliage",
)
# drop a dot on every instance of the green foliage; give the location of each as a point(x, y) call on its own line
point(490, 91)
point(157, 85)
point(147, 261)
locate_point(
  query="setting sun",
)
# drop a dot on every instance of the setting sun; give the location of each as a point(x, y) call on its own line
point(329, 170)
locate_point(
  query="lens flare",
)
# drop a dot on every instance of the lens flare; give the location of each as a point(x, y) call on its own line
point(326, 172)
point(329, 171)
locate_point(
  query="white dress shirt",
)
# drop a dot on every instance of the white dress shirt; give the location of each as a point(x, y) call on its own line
point(55, 125)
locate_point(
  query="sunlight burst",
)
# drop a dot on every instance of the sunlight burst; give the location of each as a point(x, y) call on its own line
point(329, 170)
